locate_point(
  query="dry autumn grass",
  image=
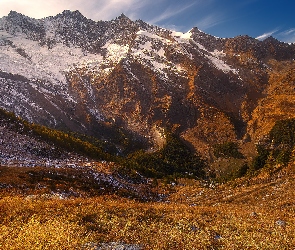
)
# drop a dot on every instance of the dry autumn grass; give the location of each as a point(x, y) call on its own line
point(257, 213)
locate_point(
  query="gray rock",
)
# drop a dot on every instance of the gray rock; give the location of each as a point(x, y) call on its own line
point(112, 246)
point(281, 223)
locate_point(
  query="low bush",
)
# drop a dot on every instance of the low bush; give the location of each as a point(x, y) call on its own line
point(226, 150)
point(174, 159)
point(277, 147)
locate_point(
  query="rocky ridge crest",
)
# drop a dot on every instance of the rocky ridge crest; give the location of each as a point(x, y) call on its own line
point(125, 81)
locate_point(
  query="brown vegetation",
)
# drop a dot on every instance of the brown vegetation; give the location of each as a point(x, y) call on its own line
point(249, 213)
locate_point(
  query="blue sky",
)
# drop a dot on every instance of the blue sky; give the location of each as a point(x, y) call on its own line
point(222, 18)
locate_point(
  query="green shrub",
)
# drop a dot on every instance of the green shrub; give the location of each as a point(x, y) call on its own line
point(278, 146)
point(174, 159)
point(283, 133)
point(260, 160)
point(283, 156)
point(226, 150)
point(228, 169)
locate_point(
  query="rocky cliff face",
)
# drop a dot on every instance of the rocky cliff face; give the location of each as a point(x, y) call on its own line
point(125, 81)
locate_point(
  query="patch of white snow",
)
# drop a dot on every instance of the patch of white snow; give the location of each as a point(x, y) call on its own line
point(115, 51)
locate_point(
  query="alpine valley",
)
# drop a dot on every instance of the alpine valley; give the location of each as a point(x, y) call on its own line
point(194, 133)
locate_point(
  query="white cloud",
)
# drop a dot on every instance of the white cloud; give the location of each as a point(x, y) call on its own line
point(209, 21)
point(108, 9)
point(36, 9)
point(170, 12)
point(97, 10)
point(266, 35)
point(288, 32)
point(287, 36)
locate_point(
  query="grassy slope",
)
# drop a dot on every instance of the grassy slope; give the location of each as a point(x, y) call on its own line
point(256, 213)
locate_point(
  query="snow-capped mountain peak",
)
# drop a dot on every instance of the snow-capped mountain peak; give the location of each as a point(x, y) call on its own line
point(71, 72)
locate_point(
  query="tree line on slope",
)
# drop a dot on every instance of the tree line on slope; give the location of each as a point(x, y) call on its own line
point(277, 148)
point(64, 140)
point(175, 159)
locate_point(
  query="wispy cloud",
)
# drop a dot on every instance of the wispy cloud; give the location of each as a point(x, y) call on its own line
point(38, 9)
point(266, 35)
point(210, 21)
point(170, 12)
point(34, 8)
point(107, 9)
point(287, 36)
point(98, 10)
point(288, 32)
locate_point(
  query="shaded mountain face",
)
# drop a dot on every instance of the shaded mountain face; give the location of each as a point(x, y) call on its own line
point(125, 81)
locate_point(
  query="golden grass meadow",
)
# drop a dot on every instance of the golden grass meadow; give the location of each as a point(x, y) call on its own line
point(248, 213)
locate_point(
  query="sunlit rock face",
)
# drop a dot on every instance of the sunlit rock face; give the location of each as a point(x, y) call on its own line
point(125, 81)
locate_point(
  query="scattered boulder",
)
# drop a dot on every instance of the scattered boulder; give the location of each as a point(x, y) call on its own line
point(111, 246)
point(281, 223)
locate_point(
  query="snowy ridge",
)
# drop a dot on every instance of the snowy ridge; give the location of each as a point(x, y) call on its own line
point(214, 57)
point(40, 63)
point(73, 73)
point(182, 37)
point(20, 55)
point(149, 48)
point(115, 52)
point(65, 62)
